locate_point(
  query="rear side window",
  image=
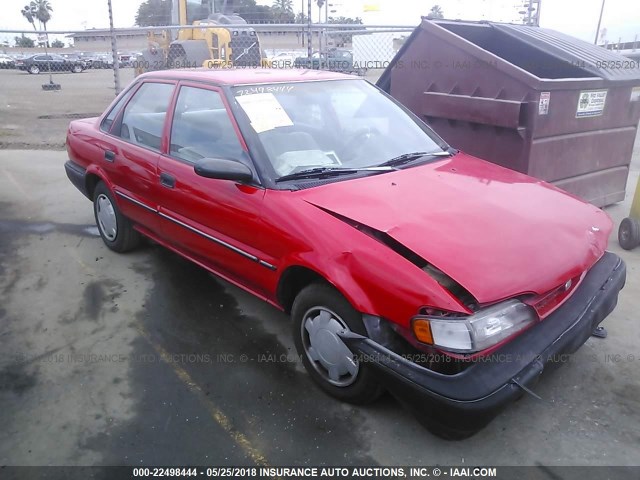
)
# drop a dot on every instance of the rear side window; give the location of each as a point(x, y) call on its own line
point(144, 115)
point(105, 126)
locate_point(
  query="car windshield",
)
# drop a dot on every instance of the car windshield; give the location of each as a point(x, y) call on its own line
point(345, 124)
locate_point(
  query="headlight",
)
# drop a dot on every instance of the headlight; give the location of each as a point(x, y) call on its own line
point(476, 332)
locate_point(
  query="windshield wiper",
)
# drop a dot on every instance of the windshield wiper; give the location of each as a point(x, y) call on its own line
point(324, 172)
point(407, 157)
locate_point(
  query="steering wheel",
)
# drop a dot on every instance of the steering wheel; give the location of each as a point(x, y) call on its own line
point(356, 140)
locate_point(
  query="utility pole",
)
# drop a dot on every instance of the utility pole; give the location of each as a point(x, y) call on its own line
point(595, 42)
point(309, 50)
point(114, 51)
point(302, 10)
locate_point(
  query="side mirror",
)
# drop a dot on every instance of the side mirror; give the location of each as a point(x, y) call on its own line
point(223, 169)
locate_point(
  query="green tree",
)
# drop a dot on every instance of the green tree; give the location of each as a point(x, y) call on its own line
point(24, 42)
point(283, 11)
point(158, 12)
point(301, 18)
point(436, 12)
point(346, 20)
point(57, 43)
point(253, 13)
point(154, 12)
point(343, 38)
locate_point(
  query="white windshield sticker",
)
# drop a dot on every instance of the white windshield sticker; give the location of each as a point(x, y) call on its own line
point(264, 111)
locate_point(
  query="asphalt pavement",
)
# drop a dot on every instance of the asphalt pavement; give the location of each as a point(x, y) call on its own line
point(145, 358)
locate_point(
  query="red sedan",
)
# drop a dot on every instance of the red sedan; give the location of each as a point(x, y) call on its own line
point(406, 265)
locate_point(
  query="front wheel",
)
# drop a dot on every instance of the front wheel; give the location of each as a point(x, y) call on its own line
point(77, 69)
point(116, 230)
point(320, 314)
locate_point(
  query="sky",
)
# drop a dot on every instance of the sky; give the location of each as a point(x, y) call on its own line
point(575, 17)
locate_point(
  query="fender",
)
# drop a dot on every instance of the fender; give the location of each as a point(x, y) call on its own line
point(362, 275)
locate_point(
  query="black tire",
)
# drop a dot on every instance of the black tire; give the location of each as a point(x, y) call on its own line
point(126, 237)
point(629, 233)
point(34, 69)
point(77, 69)
point(365, 388)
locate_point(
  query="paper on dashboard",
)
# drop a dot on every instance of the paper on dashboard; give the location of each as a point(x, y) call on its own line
point(264, 111)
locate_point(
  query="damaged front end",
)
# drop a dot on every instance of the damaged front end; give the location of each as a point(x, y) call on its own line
point(455, 404)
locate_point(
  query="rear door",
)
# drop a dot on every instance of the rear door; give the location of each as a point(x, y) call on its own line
point(132, 148)
point(216, 221)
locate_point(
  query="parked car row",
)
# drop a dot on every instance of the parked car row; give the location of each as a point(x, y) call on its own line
point(45, 63)
point(75, 62)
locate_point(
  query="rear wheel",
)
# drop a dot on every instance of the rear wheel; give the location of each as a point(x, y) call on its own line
point(320, 314)
point(77, 69)
point(116, 230)
point(629, 233)
point(34, 69)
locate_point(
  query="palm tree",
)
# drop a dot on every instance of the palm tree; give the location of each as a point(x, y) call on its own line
point(28, 14)
point(41, 9)
point(283, 9)
point(436, 12)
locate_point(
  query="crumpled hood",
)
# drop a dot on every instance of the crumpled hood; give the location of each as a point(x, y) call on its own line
point(497, 232)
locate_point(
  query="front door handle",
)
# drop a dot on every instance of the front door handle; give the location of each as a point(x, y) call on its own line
point(109, 155)
point(167, 180)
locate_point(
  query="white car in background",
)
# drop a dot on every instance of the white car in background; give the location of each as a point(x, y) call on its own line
point(6, 61)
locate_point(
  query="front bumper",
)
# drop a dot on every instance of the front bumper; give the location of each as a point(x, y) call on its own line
point(462, 404)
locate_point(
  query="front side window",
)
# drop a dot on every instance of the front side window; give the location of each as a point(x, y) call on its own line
point(202, 128)
point(333, 124)
point(143, 117)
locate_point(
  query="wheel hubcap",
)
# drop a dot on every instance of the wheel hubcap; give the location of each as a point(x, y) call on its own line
point(106, 217)
point(324, 348)
point(624, 234)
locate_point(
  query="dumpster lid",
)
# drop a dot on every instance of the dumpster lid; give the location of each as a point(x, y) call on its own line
point(582, 57)
point(594, 59)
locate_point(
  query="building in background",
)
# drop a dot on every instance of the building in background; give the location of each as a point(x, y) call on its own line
point(99, 40)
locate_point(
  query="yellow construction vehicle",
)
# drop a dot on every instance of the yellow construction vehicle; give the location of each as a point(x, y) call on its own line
point(212, 45)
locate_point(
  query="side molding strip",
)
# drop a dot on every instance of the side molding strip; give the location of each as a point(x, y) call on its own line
point(199, 232)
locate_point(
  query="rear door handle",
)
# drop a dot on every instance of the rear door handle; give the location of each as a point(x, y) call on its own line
point(109, 155)
point(167, 180)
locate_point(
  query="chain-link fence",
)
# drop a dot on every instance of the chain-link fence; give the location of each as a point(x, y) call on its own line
point(354, 49)
point(45, 80)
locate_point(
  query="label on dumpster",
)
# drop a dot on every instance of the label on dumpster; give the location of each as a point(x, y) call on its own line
point(635, 94)
point(591, 103)
point(543, 106)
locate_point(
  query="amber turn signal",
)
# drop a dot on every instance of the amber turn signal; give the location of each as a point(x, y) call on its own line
point(422, 330)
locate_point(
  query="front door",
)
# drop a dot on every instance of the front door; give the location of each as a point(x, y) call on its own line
point(215, 221)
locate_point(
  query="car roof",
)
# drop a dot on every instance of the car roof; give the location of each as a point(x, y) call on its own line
point(248, 76)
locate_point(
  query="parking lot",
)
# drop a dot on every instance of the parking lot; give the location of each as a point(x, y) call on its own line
point(146, 359)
